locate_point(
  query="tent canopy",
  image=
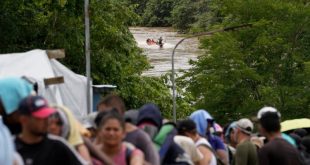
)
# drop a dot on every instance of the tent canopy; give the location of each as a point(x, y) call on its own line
point(36, 65)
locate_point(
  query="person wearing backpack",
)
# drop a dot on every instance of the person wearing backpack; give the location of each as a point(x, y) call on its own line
point(204, 122)
point(188, 128)
point(151, 121)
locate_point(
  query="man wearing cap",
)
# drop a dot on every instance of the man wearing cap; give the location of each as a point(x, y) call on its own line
point(245, 151)
point(277, 150)
point(33, 143)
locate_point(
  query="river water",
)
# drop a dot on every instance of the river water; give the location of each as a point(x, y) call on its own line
point(160, 58)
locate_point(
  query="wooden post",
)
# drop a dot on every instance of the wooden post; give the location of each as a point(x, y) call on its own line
point(56, 53)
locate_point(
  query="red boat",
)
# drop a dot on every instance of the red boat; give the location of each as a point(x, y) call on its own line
point(153, 42)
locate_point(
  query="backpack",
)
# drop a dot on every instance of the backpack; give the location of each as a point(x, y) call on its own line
point(218, 160)
point(170, 153)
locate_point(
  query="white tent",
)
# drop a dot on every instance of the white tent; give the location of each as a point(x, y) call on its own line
point(36, 65)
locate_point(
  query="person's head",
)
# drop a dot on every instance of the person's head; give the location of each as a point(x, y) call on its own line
point(34, 113)
point(112, 101)
point(12, 91)
point(131, 116)
point(150, 113)
point(229, 133)
point(203, 120)
point(269, 123)
point(301, 132)
point(55, 124)
point(111, 129)
point(187, 128)
point(269, 119)
point(58, 123)
point(244, 128)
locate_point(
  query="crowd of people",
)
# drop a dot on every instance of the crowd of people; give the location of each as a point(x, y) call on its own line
point(35, 132)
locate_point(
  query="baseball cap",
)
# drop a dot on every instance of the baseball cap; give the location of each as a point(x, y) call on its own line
point(267, 109)
point(35, 106)
point(245, 125)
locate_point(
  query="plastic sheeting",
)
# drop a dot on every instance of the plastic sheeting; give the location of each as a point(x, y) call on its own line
point(36, 65)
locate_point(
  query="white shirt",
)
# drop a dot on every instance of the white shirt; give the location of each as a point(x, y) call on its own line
point(203, 141)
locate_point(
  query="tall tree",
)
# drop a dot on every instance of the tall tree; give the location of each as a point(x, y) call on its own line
point(264, 65)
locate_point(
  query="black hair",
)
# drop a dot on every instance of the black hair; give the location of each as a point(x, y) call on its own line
point(270, 121)
point(103, 117)
point(57, 117)
point(99, 117)
point(186, 126)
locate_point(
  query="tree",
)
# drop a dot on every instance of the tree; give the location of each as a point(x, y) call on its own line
point(115, 57)
point(158, 13)
point(244, 70)
point(183, 15)
point(139, 6)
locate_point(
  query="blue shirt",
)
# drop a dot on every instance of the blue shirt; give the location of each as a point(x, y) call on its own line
point(216, 142)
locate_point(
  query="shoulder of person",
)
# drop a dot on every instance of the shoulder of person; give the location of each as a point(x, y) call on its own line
point(65, 147)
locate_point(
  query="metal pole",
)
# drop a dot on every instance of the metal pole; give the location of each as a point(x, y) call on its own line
point(173, 81)
point(172, 59)
point(87, 53)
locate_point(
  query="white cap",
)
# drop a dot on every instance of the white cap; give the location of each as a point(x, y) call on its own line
point(267, 109)
point(245, 125)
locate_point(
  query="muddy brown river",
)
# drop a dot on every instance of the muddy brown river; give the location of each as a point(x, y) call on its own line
point(160, 58)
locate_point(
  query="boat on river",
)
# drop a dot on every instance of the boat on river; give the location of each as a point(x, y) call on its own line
point(154, 42)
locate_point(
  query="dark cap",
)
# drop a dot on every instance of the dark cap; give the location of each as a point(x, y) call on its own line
point(35, 106)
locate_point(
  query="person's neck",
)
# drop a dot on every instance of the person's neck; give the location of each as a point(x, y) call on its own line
point(112, 150)
point(29, 138)
point(196, 137)
point(273, 135)
point(243, 138)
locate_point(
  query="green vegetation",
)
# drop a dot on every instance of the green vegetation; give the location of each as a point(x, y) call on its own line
point(241, 71)
point(244, 70)
point(263, 65)
point(157, 13)
point(116, 59)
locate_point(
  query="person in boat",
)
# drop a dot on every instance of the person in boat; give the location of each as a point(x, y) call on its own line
point(150, 41)
point(160, 42)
